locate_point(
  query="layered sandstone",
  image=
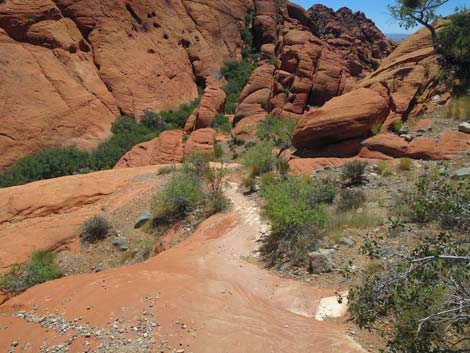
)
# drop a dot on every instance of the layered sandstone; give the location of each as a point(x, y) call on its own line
point(69, 67)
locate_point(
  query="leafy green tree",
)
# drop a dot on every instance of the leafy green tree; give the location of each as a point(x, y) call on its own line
point(237, 75)
point(454, 43)
point(278, 130)
point(410, 13)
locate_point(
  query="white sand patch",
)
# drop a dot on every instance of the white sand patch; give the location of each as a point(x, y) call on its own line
point(329, 308)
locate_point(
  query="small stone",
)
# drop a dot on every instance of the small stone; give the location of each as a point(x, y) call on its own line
point(15, 343)
point(464, 127)
point(461, 173)
point(143, 218)
point(320, 261)
point(346, 241)
point(121, 243)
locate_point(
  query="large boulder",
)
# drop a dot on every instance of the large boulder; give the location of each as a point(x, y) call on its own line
point(352, 115)
point(212, 103)
point(202, 141)
point(165, 149)
point(253, 100)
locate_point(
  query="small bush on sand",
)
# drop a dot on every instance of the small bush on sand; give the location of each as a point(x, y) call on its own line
point(296, 223)
point(353, 173)
point(350, 199)
point(222, 124)
point(405, 164)
point(40, 269)
point(94, 229)
point(384, 168)
point(260, 158)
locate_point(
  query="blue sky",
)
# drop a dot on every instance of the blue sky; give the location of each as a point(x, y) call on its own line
point(376, 10)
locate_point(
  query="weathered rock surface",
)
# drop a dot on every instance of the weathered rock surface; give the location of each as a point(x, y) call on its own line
point(201, 140)
point(346, 117)
point(449, 145)
point(212, 103)
point(69, 67)
point(353, 36)
point(253, 100)
point(165, 149)
point(202, 295)
point(48, 214)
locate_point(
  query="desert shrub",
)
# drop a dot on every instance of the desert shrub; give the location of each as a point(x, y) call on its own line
point(269, 178)
point(439, 198)
point(278, 130)
point(216, 202)
point(458, 108)
point(50, 163)
point(40, 269)
point(405, 164)
point(384, 168)
point(418, 300)
point(296, 223)
point(180, 195)
point(265, 104)
point(260, 158)
point(353, 173)
point(197, 164)
point(94, 229)
point(153, 121)
point(237, 75)
point(324, 192)
point(164, 170)
point(397, 125)
point(350, 199)
point(222, 124)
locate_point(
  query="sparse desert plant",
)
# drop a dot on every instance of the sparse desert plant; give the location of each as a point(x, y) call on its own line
point(384, 168)
point(222, 124)
point(164, 170)
point(237, 74)
point(278, 130)
point(405, 164)
point(40, 269)
point(323, 193)
point(94, 229)
point(350, 199)
point(259, 159)
point(397, 125)
point(269, 178)
point(353, 173)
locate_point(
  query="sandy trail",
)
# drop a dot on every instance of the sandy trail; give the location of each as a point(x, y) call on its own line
point(202, 293)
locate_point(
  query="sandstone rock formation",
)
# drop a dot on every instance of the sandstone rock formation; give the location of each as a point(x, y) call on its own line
point(47, 215)
point(349, 116)
point(69, 67)
point(202, 140)
point(212, 103)
point(253, 100)
point(165, 149)
point(353, 36)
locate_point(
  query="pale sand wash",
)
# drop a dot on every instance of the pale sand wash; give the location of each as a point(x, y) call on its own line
point(203, 293)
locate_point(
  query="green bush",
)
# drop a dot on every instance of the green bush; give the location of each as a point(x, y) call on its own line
point(94, 229)
point(278, 130)
point(296, 222)
point(222, 124)
point(180, 196)
point(237, 75)
point(50, 163)
point(324, 192)
point(260, 158)
point(384, 168)
point(405, 164)
point(40, 269)
point(353, 173)
point(350, 199)
point(414, 299)
point(454, 44)
point(439, 198)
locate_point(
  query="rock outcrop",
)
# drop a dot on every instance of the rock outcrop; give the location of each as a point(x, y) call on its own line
point(47, 215)
point(167, 148)
point(253, 101)
point(352, 35)
point(69, 67)
point(202, 141)
point(212, 103)
point(347, 117)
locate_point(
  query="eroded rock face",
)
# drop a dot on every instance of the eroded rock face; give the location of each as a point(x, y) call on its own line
point(253, 101)
point(347, 117)
point(46, 215)
point(69, 67)
point(310, 73)
point(165, 149)
point(353, 36)
point(202, 140)
point(212, 103)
